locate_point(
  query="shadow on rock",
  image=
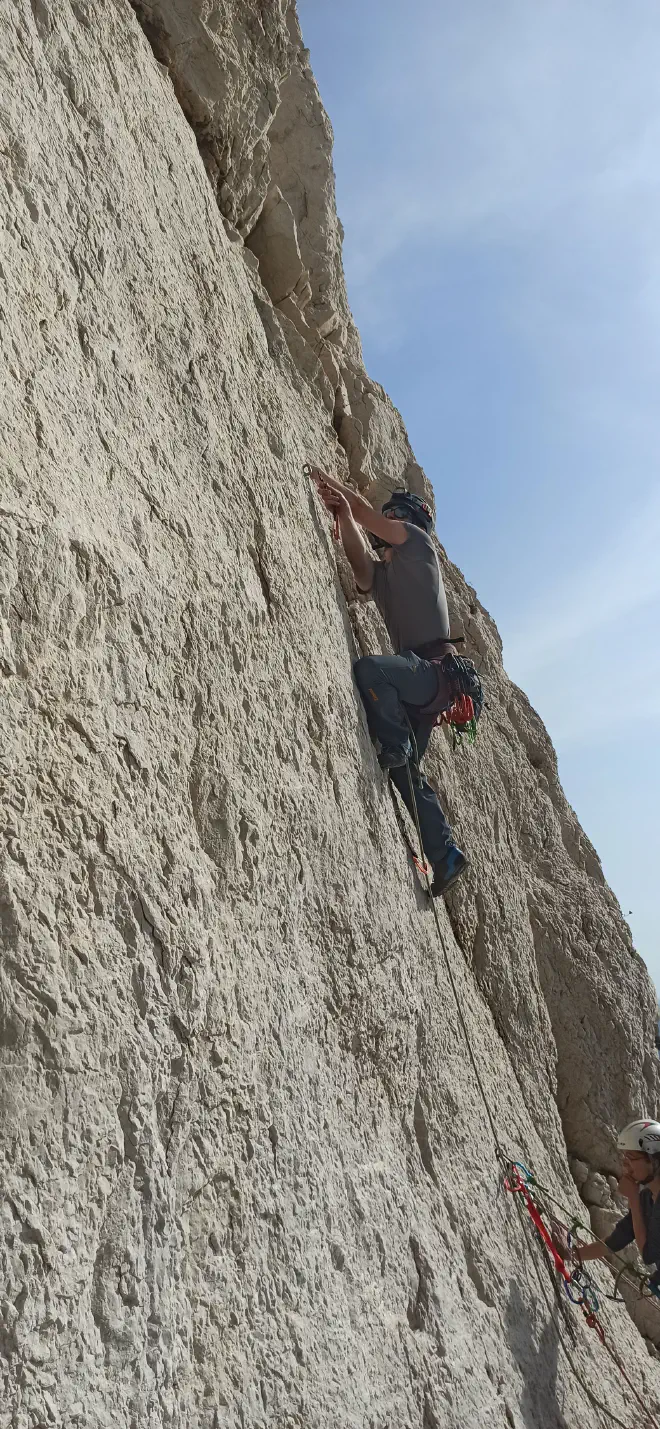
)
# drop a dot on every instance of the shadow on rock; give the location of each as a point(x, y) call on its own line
point(538, 1366)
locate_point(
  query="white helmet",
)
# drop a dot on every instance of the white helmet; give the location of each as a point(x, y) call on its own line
point(640, 1136)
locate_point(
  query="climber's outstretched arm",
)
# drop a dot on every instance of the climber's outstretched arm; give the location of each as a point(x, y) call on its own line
point(352, 539)
point(394, 532)
point(628, 1229)
point(361, 560)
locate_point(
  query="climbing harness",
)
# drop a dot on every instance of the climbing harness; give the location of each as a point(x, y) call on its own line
point(468, 702)
point(459, 696)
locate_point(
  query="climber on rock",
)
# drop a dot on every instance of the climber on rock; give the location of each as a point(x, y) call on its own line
point(640, 1184)
point(404, 693)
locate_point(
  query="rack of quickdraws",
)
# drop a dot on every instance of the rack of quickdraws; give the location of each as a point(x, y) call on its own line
point(577, 1282)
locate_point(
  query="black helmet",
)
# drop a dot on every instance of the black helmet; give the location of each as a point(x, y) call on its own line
point(405, 506)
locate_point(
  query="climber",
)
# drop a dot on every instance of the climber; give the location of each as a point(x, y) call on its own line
point(640, 1184)
point(403, 693)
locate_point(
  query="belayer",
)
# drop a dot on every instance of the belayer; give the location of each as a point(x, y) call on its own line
point(404, 694)
point(640, 1184)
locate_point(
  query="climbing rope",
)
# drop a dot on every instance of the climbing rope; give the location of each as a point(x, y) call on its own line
point(500, 1152)
point(577, 1283)
point(422, 868)
point(560, 1306)
point(583, 1291)
point(629, 1273)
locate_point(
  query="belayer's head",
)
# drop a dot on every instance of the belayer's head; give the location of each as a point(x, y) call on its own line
point(640, 1144)
point(405, 506)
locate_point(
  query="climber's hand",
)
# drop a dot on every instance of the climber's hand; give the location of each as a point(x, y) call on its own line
point(627, 1187)
point(334, 500)
point(588, 1252)
point(322, 479)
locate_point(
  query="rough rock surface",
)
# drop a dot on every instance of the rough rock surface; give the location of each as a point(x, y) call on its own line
point(248, 1179)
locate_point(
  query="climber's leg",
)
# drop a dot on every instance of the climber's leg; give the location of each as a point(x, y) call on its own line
point(436, 834)
point(437, 839)
point(387, 683)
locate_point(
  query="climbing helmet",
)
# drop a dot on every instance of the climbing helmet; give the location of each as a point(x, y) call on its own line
point(640, 1136)
point(405, 506)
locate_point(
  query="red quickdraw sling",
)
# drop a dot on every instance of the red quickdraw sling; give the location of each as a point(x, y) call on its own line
point(515, 1183)
point(457, 680)
point(577, 1284)
point(461, 717)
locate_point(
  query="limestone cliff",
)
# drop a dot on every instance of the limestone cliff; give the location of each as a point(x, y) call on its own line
point(247, 1176)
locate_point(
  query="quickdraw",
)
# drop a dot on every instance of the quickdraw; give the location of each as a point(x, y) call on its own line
point(627, 1273)
point(468, 702)
point(615, 1295)
point(461, 717)
point(581, 1290)
point(578, 1284)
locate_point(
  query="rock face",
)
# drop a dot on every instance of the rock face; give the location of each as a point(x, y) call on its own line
point(248, 1179)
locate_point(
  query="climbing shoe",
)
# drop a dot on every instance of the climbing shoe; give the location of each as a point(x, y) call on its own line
point(393, 756)
point(447, 871)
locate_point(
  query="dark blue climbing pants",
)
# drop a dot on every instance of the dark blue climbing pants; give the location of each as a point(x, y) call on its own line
point(393, 687)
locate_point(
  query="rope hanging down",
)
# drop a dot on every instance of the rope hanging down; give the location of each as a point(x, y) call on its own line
point(629, 1273)
point(584, 1292)
point(424, 868)
point(554, 1312)
point(578, 1285)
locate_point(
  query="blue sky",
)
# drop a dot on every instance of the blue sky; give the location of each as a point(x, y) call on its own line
point(498, 177)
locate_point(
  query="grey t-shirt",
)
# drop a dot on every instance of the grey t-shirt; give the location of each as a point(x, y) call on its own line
point(409, 592)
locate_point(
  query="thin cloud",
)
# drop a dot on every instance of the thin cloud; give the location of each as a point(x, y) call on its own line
point(596, 690)
point(518, 113)
point(619, 581)
point(497, 178)
point(601, 706)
